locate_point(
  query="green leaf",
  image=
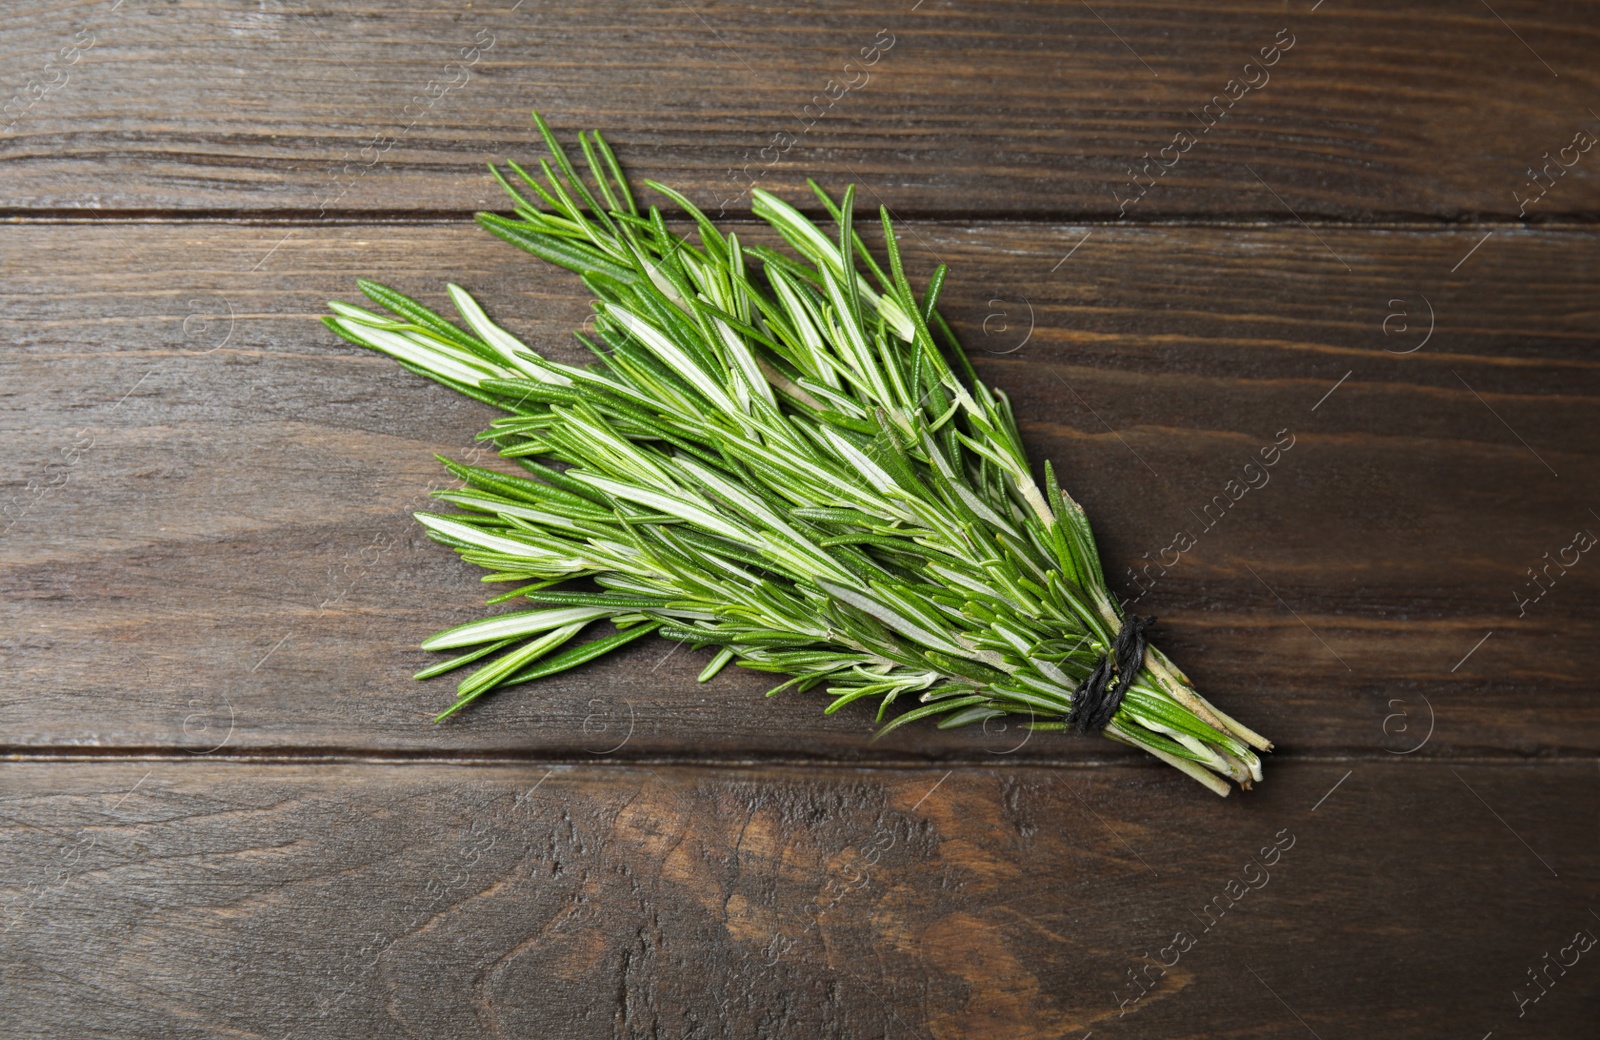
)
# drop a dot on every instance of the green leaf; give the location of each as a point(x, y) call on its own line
point(490, 676)
point(581, 654)
point(522, 623)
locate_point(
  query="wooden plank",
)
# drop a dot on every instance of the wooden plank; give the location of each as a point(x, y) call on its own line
point(169, 899)
point(208, 538)
point(1365, 110)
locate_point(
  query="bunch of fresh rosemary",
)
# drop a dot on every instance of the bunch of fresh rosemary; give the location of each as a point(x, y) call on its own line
point(773, 457)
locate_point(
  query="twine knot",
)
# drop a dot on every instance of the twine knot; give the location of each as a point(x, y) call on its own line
point(1098, 697)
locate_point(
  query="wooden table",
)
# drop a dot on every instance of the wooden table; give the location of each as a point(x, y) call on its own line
point(1177, 232)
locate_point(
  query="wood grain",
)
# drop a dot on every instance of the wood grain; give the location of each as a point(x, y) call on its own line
point(1430, 111)
point(208, 540)
point(226, 813)
point(177, 899)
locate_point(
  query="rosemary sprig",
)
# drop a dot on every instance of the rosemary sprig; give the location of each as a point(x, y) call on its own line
point(772, 456)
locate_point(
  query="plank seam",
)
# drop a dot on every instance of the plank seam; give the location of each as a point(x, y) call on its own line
point(426, 758)
point(290, 218)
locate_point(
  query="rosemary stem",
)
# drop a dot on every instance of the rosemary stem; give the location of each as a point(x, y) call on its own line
point(1193, 769)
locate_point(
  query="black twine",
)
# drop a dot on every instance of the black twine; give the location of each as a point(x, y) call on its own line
point(1098, 697)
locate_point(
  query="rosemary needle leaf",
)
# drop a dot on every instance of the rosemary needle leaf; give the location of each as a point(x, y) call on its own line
point(580, 654)
point(488, 677)
point(519, 624)
point(785, 457)
point(466, 658)
point(719, 662)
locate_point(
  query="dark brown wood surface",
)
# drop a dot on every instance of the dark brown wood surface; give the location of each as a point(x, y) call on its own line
point(522, 900)
point(1366, 109)
point(235, 534)
point(225, 810)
